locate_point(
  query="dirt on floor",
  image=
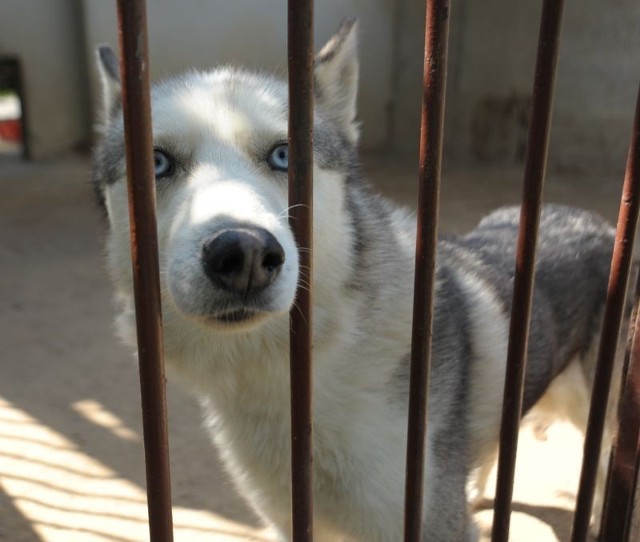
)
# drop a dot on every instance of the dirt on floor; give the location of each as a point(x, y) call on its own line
point(71, 460)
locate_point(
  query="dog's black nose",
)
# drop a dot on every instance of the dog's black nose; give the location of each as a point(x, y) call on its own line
point(242, 260)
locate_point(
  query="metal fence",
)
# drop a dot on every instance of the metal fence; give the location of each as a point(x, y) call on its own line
point(625, 457)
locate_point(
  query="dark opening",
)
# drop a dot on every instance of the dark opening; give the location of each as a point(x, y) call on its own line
point(12, 110)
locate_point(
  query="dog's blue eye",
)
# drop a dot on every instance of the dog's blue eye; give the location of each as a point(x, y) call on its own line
point(279, 158)
point(164, 164)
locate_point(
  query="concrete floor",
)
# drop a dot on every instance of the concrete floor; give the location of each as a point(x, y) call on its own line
point(71, 464)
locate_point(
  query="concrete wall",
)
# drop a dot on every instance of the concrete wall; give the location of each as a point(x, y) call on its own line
point(490, 74)
point(46, 36)
point(201, 34)
point(597, 86)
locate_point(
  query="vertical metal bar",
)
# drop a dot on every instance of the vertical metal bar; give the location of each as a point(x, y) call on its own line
point(431, 137)
point(144, 253)
point(616, 294)
point(535, 164)
point(620, 484)
point(300, 45)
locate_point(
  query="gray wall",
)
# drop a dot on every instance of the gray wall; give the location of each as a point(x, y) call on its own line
point(47, 38)
point(490, 74)
point(599, 74)
point(203, 33)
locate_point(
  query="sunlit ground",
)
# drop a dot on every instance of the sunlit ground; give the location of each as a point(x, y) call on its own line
point(68, 495)
point(544, 492)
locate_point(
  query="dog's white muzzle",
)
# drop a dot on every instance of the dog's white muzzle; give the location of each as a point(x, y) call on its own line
point(231, 257)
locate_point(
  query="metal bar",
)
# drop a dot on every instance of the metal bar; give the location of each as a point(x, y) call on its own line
point(144, 253)
point(431, 137)
point(300, 46)
point(535, 164)
point(620, 483)
point(616, 295)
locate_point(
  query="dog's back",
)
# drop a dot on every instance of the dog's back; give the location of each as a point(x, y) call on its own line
point(572, 269)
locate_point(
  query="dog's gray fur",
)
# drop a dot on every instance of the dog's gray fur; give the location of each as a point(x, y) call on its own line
point(218, 128)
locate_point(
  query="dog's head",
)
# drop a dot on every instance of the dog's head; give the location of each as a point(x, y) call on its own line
point(227, 256)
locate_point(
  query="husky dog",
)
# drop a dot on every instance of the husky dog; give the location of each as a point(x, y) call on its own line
point(229, 268)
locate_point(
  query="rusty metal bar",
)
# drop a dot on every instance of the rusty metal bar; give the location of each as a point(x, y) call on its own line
point(300, 46)
point(616, 295)
point(134, 68)
point(431, 137)
point(621, 479)
point(535, 164)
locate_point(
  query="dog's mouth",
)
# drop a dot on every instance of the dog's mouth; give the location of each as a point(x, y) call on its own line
point(236, 316)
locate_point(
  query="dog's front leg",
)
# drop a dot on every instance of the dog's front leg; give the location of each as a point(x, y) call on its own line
point(446, 516)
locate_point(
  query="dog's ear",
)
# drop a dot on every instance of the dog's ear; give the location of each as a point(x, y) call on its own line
point(109, 68)
point(336, 78)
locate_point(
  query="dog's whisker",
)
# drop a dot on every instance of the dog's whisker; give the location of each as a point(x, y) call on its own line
point(304, 283)
point(285, 212)
point(303, 288)
point(297, 307)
